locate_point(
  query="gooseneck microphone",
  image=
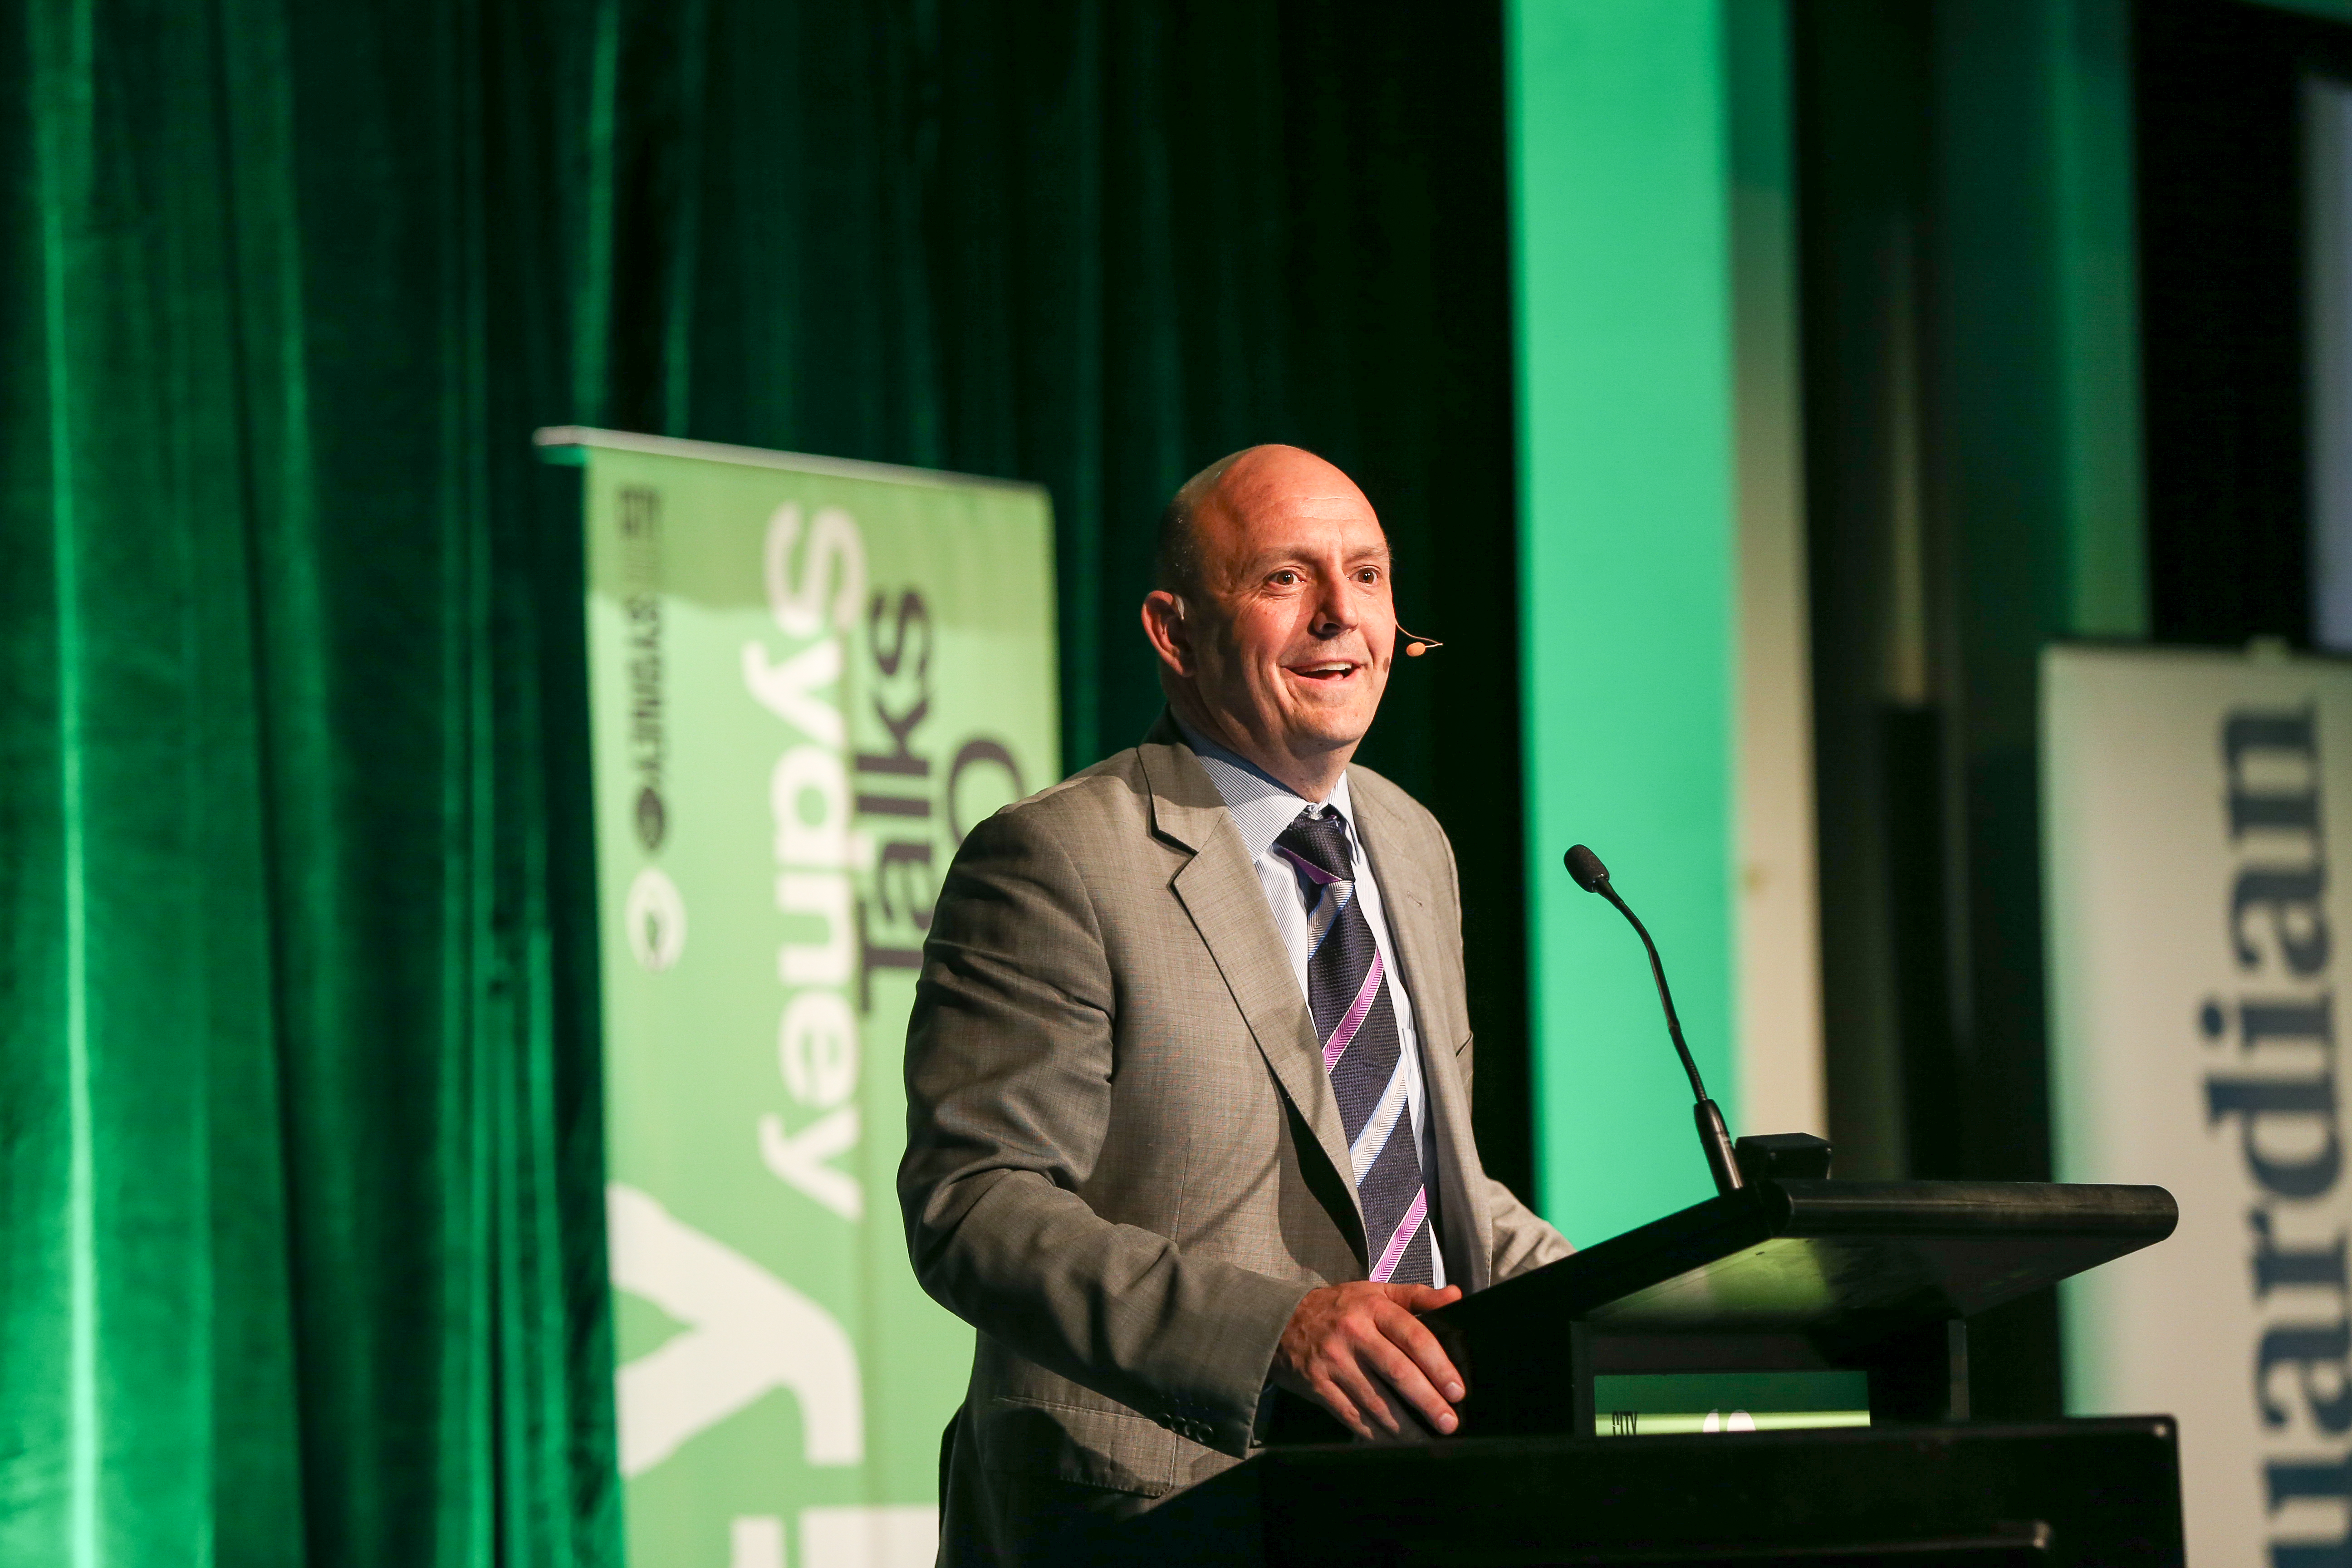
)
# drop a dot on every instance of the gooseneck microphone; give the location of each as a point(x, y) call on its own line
point(1714, 1137)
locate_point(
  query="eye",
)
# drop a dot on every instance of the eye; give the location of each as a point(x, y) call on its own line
point(1367, 575)
point(1286, 578)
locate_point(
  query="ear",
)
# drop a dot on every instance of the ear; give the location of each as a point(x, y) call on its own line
point(1165, 628)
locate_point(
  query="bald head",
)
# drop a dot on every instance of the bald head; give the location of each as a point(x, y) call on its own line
point(1270, 611)
point(1176, 558)
point(1231, 486)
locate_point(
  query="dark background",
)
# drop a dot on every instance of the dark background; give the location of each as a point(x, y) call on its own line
point(1099, 247)
point(2222, 291)
point(1927, 199)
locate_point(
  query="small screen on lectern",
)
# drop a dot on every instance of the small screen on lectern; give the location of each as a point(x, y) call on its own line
point(1656, 1403)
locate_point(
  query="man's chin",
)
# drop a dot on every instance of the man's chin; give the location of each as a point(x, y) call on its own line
point(1323, 733)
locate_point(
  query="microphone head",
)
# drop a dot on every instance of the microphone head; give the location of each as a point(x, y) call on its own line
point(1586, 868)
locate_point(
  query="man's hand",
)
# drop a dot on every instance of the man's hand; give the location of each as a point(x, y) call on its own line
point(1358, 1350)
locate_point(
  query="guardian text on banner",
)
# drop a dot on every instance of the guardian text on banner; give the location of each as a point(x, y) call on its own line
point(2193, 803)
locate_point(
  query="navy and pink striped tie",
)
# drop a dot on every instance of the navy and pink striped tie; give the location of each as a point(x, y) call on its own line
point(1347, 992)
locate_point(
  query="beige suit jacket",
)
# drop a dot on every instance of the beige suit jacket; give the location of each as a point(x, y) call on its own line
point(1125, 1164)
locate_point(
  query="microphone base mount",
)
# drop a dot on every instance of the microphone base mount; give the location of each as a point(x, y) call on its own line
point(1768, 1156)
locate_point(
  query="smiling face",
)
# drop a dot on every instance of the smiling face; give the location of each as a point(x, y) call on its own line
point(1278, 648)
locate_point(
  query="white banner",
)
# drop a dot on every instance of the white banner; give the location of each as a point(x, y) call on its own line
point(2189, 800)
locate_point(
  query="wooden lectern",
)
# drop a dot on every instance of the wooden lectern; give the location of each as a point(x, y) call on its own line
point(1783, 1275)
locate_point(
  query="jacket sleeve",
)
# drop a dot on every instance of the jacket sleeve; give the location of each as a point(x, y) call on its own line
point(1010, 1058)
point(1522, 1238)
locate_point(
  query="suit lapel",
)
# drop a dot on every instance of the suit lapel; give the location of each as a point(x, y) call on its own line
point(1414, 927)
point(1220, 890)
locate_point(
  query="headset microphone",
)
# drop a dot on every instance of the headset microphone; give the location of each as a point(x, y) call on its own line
point(1415, 647)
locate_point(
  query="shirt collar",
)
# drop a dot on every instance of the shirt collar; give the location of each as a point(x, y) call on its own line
point(1260, 805)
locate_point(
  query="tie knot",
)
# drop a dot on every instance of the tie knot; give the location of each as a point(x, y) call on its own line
point(1318, 845)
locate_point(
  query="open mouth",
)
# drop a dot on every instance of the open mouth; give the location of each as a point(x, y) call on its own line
point(1329, 671)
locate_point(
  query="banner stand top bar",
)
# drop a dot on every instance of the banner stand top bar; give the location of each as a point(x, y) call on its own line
point(558, 444)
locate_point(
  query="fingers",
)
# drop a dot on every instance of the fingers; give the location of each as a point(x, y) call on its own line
point(1313, 1358)
point(1346, 1411)
point(1409, 1335)
point(1423, 1297)
point(1368, 1384)
point(1360, 1350)
point(1402, 1420)
point(1407, 1358)
point(1376, 1415)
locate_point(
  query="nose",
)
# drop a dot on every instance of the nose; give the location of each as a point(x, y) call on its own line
point(1334, 609)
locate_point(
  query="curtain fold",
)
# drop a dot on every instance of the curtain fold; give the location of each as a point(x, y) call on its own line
point(301, 1201)
point(300, 1234)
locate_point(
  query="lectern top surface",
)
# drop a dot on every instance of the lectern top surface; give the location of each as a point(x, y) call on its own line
point(1830, 1256)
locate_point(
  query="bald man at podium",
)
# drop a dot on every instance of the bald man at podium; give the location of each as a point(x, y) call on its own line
point(1189, 1071)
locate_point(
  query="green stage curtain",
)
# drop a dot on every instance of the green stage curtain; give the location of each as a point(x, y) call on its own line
point(300, 1244)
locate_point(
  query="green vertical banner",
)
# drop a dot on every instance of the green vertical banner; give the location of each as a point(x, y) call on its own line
point(1620, 211)
point(808, 678)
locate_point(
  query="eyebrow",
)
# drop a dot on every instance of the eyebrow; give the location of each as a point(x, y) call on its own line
point(1267, 560)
